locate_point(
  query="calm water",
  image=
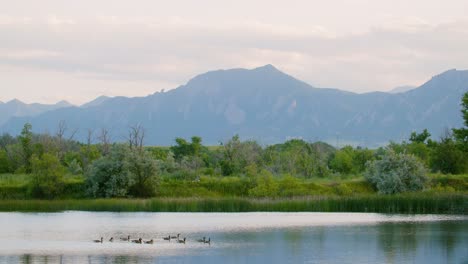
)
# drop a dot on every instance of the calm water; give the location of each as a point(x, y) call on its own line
point(236, 238)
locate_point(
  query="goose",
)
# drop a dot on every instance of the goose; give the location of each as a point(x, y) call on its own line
point(207, 241)
point(181, 241)
point(202, 240)
point(98, 240)
point(111, 239)
point(168, 238)
point(125, 238)
point(138, 241)
point(149, 242)
point(172, 237)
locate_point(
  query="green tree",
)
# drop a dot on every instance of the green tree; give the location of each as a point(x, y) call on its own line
point(143, 173)
point(447, 157)
point(4, 162)
point(237, 155)
point(421, 137)
point(47, 176)
point(26, 144)
point(185, 149)
point(396, 173)
point(342, 160)
point(361, 157)
point(461, 134)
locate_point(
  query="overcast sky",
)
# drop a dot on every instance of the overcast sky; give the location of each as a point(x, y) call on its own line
point(78, 50)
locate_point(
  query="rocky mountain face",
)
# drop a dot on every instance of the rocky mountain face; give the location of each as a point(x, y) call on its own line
point(267, 105)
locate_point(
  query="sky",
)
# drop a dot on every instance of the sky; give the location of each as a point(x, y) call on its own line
point(78, 50)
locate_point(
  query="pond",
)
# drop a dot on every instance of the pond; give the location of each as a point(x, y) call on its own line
point(67, 237)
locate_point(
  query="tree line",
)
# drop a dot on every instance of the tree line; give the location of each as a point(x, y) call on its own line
point(130, 169)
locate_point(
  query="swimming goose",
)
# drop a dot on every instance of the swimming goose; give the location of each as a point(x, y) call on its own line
point(125, 238)
point(207, 241)
point(149, 242)
point(111, 239)
point(138, 241)
point(172, 237)
point(202, 240)
point(181, 241)
point(167, 238)
point(98, 240)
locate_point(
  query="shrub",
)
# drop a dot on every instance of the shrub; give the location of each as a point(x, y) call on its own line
point(47, 176)
point(266, 185)
point(142, 169)
point(109, 176)
point(396, 173)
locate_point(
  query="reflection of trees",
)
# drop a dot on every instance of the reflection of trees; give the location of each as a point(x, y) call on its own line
point(294, 240)
point(397, 238)
point(26, 259)
point(449, 234)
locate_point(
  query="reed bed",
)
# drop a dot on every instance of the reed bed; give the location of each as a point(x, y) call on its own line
point(418, 203)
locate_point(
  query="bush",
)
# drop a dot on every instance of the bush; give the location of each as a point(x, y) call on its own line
point(109, 176)
point(123, 172)
point(142, 169)
point(266, 186)
point(396, 173)
point(47, 176)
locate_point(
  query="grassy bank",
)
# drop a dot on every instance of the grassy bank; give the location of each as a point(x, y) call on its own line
point(15, 186)
point(421, 203)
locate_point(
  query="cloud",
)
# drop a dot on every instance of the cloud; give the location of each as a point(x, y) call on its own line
point(171, 50)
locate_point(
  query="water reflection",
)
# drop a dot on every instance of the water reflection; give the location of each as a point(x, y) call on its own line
point(237, 238)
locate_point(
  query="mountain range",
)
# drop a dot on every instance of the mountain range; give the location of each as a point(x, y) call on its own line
point(267, 105)
point(17, 108)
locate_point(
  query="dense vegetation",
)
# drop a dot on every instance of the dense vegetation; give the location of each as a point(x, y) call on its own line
point(55, 166)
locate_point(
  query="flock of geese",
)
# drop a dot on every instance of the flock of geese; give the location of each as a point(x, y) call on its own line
point(168, 238)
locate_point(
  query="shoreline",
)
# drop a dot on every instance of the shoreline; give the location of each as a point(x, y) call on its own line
point(416, 203)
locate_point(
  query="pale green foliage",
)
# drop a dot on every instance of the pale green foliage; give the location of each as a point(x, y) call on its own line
point(74, 167)
point(123, 172)
point(142, 170)
point(239, 154)
point(109, 176)
point(290, 186)
point(266, 186)
point(47, 176)
point(396, 173)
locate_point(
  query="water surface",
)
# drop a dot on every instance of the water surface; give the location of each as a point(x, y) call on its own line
point(236, 237)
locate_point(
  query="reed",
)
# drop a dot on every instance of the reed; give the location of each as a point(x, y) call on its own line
point(417, 203)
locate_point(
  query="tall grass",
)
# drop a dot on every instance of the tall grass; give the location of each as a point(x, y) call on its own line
point(408, 203)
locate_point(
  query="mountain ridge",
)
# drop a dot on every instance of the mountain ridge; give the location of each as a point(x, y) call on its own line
point(268, 105)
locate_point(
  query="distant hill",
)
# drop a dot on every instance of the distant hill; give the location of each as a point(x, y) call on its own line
point(270, 106)
point(402, 89)
point(16, 108)
point(96, 101)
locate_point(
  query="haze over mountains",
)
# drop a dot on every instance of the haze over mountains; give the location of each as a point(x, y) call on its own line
point(17, 108)
point(267, 105)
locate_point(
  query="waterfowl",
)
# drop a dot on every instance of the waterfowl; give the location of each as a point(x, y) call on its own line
point(168, 238)
point(98, 240)
point(181, 241)
point(138, 241)
point(202, 240)
point(125, 238)
point(172, 237)
point(149, 242)
point(111, 239)
point(207, 241)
